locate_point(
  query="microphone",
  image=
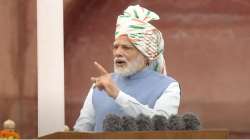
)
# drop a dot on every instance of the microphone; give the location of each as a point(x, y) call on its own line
point(112, 122)
point(192, 121)
point(160, 122)
point(187, 121)
point(129, 123)
point(144, 123)
point(176, 122)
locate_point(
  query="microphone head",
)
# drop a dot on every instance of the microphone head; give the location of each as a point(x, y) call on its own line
point(176, 122)
point(192, 121)
point(160, 122)
point(129, 123)
point(112, 122)
point(144, 123)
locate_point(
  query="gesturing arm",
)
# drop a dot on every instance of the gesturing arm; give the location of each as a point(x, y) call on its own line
point(166, 105)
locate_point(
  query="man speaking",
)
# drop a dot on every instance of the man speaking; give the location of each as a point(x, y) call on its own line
point(139, 83)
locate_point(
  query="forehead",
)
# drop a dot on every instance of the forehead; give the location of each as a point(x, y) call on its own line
point(123, 39)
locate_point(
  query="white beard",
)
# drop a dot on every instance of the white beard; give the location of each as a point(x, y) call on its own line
point(132, 67)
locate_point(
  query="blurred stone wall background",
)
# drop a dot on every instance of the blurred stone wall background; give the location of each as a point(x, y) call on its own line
point(207, 51)
point(18, 66)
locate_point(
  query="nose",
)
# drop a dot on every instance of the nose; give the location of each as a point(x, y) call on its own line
point(118, 51)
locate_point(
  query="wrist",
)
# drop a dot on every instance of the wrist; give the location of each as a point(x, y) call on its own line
point(115, 92)
point(112, 90)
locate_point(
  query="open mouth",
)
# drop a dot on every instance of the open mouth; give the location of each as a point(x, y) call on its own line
point(120, 62)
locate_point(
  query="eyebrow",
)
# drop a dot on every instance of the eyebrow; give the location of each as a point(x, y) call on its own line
point(126, 44)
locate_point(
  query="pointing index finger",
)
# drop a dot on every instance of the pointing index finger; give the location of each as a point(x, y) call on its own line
point(101, 69)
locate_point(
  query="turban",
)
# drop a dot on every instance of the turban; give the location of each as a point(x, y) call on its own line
point(145, 37)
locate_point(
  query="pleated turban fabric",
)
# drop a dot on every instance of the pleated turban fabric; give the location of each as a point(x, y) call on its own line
point(144, 36)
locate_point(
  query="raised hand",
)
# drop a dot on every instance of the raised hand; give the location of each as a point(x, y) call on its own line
point(104, 81)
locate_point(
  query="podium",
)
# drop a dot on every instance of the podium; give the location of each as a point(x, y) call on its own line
point(199, 134)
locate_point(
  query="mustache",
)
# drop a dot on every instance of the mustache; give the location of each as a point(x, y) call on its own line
point(117, 59)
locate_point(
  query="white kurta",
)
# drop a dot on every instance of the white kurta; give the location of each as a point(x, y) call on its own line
point(167, 104)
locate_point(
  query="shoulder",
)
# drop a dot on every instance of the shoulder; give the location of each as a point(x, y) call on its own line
point(164, 77)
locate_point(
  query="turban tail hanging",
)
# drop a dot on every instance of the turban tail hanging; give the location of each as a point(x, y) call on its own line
point(144, 36)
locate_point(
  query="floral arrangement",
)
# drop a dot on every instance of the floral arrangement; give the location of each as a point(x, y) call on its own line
point(8, 135)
